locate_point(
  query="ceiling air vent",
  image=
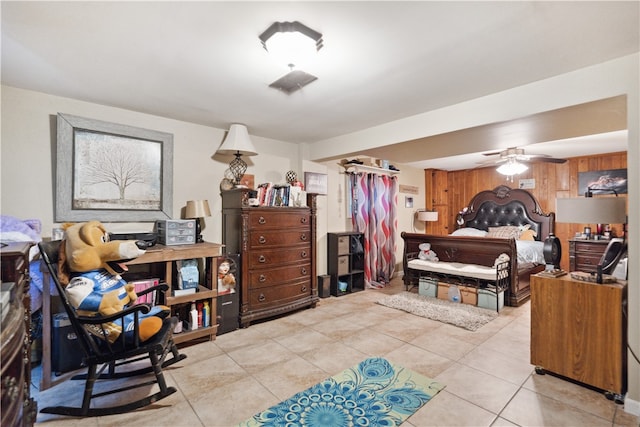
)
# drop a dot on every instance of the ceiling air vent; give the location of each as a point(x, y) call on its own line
point(293, 81)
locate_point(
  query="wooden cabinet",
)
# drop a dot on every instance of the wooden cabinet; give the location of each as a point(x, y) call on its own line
point(345, 262)
point(437, 199)
point(159, 261)
point(584, 255)
point(277, 247)
point(579, 330)
point(18, 407)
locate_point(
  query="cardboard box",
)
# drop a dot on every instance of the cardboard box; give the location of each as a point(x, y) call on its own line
point(469, 295)
point(176, 231)
point(487, 299)
point(443, 290)
point(428, 287)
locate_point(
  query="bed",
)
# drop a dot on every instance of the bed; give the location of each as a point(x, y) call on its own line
point(495, 222)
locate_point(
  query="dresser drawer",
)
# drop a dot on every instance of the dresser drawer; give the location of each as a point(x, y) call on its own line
point(280, 220)
point(278, 295)
point(278, 238)
point(589, 248)
point(267, 258)
point(272, 276)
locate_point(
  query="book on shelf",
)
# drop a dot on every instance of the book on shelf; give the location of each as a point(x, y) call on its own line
point(181, 292)
point(143, 284)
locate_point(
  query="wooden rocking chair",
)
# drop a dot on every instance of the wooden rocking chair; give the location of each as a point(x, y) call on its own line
point(100, 355)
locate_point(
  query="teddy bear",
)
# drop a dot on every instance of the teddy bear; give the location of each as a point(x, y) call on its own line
point(226, 279)
point(89, 267)
point(426, 253)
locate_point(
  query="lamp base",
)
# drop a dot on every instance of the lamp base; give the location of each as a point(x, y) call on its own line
point(199, 238)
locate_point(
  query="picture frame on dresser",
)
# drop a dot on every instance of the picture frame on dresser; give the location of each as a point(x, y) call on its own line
point(89, 153)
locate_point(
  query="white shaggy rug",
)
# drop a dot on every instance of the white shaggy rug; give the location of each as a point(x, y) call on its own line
point(463, 315)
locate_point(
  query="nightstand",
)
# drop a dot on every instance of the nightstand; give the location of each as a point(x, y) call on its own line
point(584, 255)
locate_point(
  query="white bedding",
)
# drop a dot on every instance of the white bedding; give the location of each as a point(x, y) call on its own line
point(457, 268)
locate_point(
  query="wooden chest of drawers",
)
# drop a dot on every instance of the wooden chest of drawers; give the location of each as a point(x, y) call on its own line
point(277, 255)
point(18, 407)
point(584, 255)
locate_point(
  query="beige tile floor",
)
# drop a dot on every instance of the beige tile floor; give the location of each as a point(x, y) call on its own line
point(488, 378)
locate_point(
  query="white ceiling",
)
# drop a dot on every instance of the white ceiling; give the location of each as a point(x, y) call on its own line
point(202, 62)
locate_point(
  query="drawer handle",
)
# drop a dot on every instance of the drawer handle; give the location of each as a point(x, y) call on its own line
point(262, 258)
point(261, 298)
point(303, 237)
point(261, 220)
point(303, 254)
point(303, 270)
point(303, 220)
point(262, 278)
point(304, 288)
point(262, 240)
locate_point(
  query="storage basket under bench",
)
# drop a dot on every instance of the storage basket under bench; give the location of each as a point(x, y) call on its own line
point(486, 280)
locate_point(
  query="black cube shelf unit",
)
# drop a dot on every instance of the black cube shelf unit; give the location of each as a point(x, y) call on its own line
point(345, 255)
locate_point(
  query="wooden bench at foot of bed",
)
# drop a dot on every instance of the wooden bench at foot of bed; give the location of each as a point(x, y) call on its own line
point(470, 250)
point(493, 279)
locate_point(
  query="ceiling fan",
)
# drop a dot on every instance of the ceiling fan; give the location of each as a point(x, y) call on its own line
point(513, 154)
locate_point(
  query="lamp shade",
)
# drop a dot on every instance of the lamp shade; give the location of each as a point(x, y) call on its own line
point(589, 210)
point(197, 209)
point(237, 141)
point(427, 216)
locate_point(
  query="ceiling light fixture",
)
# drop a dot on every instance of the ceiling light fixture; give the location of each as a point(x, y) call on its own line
point(295, 45)
point(237, 143)
point(291, 43)
point(512, 167)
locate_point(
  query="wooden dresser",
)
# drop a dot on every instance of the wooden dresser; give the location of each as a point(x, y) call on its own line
point(277, 247)
point(584, 255)
point(18, 407)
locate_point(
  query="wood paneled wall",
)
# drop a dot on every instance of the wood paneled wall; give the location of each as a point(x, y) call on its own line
point(449, 192)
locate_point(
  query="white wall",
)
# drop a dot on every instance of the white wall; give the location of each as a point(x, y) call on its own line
point(28, 147)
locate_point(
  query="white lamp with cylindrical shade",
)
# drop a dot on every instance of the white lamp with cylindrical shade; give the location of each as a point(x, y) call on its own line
point(594, 210)
point(591, 210)
point(425, 216)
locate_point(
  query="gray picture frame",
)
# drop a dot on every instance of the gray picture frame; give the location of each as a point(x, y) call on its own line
point(84, 145)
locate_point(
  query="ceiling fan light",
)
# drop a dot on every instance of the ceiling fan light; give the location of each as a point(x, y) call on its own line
point(512, 168)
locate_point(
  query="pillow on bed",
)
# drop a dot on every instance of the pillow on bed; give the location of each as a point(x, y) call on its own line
point(528, 235)
point(505, 232)
point(469, 231)
point(530, 251)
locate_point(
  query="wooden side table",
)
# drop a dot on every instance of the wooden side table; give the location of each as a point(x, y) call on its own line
point(584, 255)
point(579, 331)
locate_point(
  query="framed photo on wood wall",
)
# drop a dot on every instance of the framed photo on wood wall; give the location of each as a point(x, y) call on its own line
point(112, 172)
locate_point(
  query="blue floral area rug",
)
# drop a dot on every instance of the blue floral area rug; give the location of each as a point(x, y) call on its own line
point(374, 393)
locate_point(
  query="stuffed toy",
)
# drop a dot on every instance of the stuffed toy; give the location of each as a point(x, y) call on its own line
point(501, 258)
point(226, 279)
point(90, 266)
point(426, 253)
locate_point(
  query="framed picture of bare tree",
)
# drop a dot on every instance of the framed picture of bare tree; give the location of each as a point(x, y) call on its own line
point(112, 172)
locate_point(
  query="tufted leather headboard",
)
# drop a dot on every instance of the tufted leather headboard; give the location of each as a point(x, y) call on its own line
point(506, 206)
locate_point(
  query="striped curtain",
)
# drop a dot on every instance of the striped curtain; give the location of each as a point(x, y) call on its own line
point(374, 213)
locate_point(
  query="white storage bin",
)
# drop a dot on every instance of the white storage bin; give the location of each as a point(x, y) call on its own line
point(428, 287)
point(487, 299)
